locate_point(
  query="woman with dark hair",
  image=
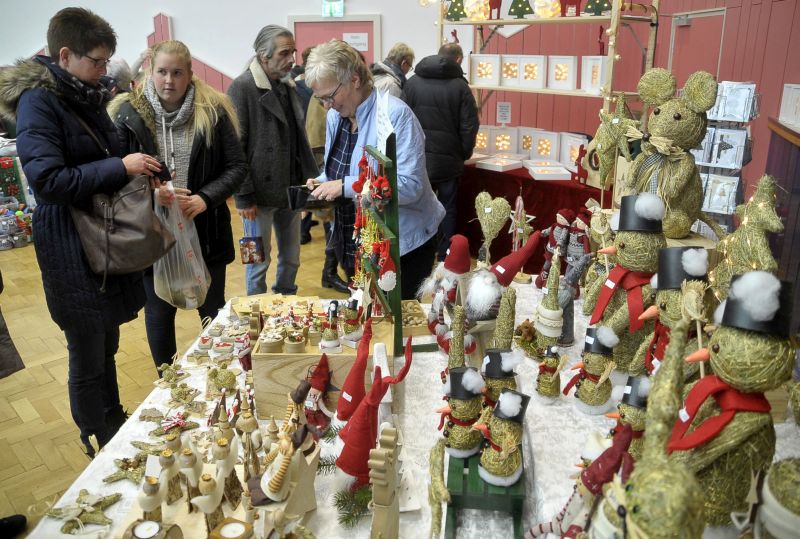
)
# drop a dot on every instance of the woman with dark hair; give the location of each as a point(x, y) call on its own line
point(56, 100)
point(193, 128)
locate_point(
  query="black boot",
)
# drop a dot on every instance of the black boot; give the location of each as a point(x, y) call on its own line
point(330, 276)
point(12, 526)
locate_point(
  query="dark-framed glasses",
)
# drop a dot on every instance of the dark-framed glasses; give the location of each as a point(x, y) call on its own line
point(98, 62)
point(328, 99)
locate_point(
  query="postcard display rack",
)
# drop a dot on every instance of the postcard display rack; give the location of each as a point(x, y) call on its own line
point(552, 75)
point(726, 148)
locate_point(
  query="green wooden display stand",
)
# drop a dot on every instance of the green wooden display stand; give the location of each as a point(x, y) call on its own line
point(469, 491)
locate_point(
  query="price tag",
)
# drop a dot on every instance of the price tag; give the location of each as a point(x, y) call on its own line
point(589, 339)
point(346, 396)
point(683, 414)
point(487, 210)
point(609, 283)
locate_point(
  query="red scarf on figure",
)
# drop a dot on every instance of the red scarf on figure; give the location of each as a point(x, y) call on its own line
point(657, 346)
point(631, 282)
point(580, 375)
point(635, 433)
point(728, 399)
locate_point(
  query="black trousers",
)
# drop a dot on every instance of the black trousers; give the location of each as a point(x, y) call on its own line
point(159, 316)
point(415, 266)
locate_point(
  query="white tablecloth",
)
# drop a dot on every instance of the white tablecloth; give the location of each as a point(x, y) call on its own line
point(556, 432)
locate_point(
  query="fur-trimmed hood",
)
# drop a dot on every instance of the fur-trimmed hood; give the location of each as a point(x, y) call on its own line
point(22, 76)
point(138, 101)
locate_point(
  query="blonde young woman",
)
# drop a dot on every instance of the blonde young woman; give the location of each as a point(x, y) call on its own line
point(194, 130)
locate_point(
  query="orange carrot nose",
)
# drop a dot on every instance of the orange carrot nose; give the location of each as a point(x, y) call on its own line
point(485, 390)
point(578, 366)
point(610, 250)
point(613, 415)
point(444, 410)
point(650, 313)
point(700, 355)
point(580, 465)
point(483, 428)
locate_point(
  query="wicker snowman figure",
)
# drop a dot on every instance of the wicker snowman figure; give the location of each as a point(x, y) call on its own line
point(330, 342)
point(676, 266)
point(464, 394)
point(600, 236)
point(501, 455)
point(725, 431)
point(591, 382)
point(676, 125)
point(617, 302)
point(632, 411)
point(548, 381)
point(498, 371)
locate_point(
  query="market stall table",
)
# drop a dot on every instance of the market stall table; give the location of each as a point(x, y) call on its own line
point(543, 198)
point(555, 434)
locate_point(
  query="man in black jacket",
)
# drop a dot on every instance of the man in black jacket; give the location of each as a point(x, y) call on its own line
point(439, 95)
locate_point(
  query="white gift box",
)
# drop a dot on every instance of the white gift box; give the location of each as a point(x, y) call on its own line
point(499, 165)
point(719, 194)
point(735, 102)
point(475, 158)
point(569, 148)
point(485, 69)
point(593, 73)
point(509, 70)
point(790, 105)
point(511, 156)
point(545, 145)
point(482, 140)
point(532, 71)
point(502, 140)
point(729, 148)
point(528, 163)
point(526, 135)
point(549, 173)
point(562, 72)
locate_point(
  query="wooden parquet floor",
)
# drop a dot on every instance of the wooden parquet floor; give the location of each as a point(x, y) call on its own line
point(40, 453)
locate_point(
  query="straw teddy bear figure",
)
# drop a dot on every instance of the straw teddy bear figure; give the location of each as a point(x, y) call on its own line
point(666, 167)
point(725, 431)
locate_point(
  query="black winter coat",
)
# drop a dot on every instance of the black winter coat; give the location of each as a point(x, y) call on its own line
point(64, 167)
point(215, 173)
point(440, 97)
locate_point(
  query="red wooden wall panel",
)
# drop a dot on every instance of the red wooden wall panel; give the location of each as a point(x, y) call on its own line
point(758, 44)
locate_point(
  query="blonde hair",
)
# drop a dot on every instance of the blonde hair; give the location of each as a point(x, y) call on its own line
point(208, 102)
point(400, 52)
point(336, 60)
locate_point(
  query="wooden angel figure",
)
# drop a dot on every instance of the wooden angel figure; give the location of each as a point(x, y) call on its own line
point(210, 500)
point(150, 497)
point(169, 476)
point(302, 498)
point(226, 454)
point(191, 468)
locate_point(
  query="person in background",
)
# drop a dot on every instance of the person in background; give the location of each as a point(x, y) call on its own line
point(440, 97)
point(307, 220)
point(55, 100)
point(390, 75)
point(342, 83)
point(118, 76)
point(193, 129)
point(274, 140)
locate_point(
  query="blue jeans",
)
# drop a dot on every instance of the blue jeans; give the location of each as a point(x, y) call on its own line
point(159, 316)
point(287, 236)
point(92, 384)
point(447, 193)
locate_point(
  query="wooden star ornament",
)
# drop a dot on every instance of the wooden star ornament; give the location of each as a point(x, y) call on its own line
point(87, 509)
point(129, 468)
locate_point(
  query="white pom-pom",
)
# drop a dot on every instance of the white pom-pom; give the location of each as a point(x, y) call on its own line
point(654, 281)
point(473, 381)
point(695, 262)
point(759, 293)
point(446, 388)
point(510, 404)
point(387, 281)
point(718, 312)
point(614, 223)
point(511, 360)
point(649, 206)
point(644, 386)
point(483, 293)
point(607, 337)
point(441, 329)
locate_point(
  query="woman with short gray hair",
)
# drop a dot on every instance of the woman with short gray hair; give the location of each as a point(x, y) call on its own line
point(340, 81)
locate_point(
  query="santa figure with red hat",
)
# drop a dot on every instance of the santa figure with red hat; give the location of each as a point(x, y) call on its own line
point(572, 519)
point(353, 389)
point(578, 245)
point(487, 285)
point(442, 284)
point(317, 414)
point(557, 236)
point(360, 435)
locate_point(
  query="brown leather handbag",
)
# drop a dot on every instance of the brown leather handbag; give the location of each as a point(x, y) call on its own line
point(120, 233)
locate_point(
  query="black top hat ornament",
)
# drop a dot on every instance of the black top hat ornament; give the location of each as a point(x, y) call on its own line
point(641, 213)
point(592, 345)
point(511, 405)
point(677, 264)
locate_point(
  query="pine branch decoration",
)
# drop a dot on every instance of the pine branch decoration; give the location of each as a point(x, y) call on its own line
point(352, 506)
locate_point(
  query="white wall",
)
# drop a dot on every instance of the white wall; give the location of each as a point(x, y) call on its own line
point(221, 33)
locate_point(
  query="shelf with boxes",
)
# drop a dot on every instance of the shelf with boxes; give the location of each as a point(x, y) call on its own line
point(554, 74)
point(726, 148)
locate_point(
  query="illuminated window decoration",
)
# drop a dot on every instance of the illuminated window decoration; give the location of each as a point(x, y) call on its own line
point(546, 9)
point(477, 10)
point(593, 73)
point(502, 142)
point(499, 164)
point(485, 69)
point(531, 71)
point(510, 70)
point(561, 73)
point(543, 147)
point(527, 142)
point(481, 141)
point(573, 153)
point(570, 144)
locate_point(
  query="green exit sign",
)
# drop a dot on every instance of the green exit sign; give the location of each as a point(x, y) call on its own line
point(333, 8)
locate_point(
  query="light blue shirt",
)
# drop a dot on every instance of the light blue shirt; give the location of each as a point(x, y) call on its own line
point(420, 211)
